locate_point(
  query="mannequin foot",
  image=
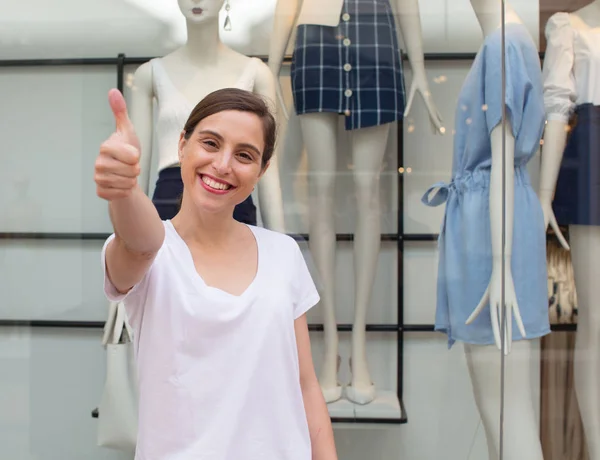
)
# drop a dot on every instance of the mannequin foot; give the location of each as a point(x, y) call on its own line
point(332, 394)
point(331, 388)
point(361, 390)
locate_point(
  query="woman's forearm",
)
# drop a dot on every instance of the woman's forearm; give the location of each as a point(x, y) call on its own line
point(319, 423)
point(136, 223)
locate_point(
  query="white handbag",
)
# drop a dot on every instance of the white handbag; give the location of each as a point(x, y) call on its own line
point(118, 409)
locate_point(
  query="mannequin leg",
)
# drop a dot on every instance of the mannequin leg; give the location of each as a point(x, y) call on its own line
point(521, 438)
point(368, 149)
point(585, 256)
point(319, 131)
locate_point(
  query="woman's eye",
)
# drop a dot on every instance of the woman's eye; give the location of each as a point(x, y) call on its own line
point(246, 156)
point(210, 143)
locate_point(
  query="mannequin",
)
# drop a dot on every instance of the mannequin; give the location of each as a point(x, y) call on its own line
point(572, 182)
point(178, 81)
point(337, 21)
point(472, 254)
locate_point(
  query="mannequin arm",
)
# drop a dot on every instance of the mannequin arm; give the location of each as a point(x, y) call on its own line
point(141, 117)
point(501, 252)
point(269, 187)
point(283, 22)
point(286, 12)
point(409, 21)
point(555, 139)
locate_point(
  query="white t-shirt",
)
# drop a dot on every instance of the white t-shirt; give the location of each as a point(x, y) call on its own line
point(218, 373)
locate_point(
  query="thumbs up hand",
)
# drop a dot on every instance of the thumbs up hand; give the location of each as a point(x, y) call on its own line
point(118, 163)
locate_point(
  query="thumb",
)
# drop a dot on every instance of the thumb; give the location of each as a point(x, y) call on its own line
point(119, 110)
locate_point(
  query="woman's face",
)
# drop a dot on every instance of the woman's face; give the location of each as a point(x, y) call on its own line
point(221, 161)
point(200, 10)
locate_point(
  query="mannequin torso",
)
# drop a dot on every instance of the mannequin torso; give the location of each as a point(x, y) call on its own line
point(489, 16)
point(321, 13)
point(195, 76)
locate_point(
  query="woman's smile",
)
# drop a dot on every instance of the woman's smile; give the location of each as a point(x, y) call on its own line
point(214, 185)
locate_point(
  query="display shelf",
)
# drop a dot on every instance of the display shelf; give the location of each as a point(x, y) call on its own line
point(58, 62)
point(121, 59)
point(104, 236)
point(386, 409)
point(51, 323)
point(386, 406)
point(341, 409)
point(53, 236)
point(75, 324)
point(431, 328)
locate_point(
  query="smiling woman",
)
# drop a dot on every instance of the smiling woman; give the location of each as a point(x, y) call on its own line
point(217, 306)
point(225, 147)
point(229, 107)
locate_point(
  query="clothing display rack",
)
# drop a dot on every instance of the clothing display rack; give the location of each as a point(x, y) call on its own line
point(400, 237)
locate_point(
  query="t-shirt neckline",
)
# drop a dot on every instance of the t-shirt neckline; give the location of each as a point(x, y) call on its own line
point(215, 290)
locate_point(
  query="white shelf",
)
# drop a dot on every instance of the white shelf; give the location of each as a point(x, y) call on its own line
point(385, 406)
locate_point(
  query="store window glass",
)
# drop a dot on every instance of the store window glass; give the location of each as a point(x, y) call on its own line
point(568, 41)
point(433, 172)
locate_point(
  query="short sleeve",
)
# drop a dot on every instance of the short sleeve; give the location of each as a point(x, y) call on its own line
point(110, 291)
point(559, 82)
point(306, 295)
point(519, 87)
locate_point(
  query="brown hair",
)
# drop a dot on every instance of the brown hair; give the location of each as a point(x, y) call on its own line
point(241, 100)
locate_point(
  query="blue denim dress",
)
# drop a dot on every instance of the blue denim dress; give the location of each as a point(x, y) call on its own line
point(465, 250)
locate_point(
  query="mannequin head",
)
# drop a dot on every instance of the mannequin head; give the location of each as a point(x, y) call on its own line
point(197, 11)
point(227, 144)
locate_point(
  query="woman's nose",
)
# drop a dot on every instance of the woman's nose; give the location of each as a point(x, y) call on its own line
point(222, 162)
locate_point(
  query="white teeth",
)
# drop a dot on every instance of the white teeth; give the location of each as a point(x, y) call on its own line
point(214, 184)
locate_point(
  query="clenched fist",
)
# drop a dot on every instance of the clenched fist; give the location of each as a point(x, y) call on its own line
point(118, 164)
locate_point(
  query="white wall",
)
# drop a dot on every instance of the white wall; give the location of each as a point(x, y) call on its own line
point(51, 123)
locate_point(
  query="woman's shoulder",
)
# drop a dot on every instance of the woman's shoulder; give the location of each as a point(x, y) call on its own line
point(277, 241)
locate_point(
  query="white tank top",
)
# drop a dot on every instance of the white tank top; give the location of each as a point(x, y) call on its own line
point(173, 109)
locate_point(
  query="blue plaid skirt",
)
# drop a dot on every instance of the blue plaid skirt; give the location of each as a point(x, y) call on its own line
point(353, 69)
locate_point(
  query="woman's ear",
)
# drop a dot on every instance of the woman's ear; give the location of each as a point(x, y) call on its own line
point(264, 170)
point(181, 145)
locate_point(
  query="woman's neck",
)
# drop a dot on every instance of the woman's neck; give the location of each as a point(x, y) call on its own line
point(489, 15)
point(203, 42)
point(203, 228)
